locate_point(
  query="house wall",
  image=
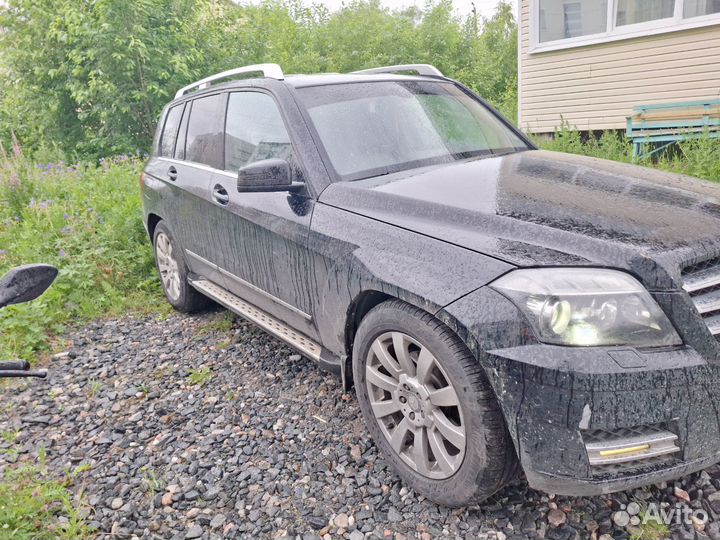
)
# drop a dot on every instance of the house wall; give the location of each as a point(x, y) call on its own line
point(595, 87)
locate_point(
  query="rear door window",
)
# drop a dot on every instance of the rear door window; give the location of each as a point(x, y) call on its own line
point(203, 140)
point(254, 130)
point(170, 131)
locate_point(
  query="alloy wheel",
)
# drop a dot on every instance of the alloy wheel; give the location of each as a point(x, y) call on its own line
point(415, 405)
point(167, 265)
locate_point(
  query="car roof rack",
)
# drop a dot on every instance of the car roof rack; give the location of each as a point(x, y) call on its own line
point(420, 69)
point(271, 71)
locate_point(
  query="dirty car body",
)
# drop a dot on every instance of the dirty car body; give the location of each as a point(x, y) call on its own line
point(588, 410)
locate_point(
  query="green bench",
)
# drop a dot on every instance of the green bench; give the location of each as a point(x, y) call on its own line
point(654, 127)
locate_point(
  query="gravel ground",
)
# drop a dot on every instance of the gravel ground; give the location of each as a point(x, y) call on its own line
point(265, 445)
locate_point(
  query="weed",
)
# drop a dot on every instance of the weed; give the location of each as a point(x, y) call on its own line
point(151, 479)
point(222, 323)
point(651, 530)
point(695, 157)
point(94, 387)
point(9, 436)
point(31, 503)
point(199, 377)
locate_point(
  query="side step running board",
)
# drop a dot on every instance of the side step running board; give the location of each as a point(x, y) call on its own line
point(264, 320)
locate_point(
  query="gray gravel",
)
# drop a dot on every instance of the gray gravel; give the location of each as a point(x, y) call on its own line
point(268, 447)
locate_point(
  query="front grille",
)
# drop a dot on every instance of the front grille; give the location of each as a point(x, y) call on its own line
point(702, 282)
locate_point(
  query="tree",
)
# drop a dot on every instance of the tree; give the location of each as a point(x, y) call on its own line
point(90, 77)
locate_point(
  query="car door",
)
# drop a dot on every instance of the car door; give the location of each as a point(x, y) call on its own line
point(261, 236)
point(197, 156)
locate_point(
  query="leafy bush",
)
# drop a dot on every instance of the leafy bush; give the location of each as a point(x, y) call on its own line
point(86, 220)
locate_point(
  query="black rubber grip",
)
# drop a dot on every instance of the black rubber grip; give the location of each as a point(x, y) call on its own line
point(15, 365)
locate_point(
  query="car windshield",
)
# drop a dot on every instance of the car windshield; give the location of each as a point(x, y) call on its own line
point(369, 129)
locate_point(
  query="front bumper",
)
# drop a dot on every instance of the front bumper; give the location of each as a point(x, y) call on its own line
point(553, 414)
point(555, 399)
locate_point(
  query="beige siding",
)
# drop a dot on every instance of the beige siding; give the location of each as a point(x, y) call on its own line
point(596, 86)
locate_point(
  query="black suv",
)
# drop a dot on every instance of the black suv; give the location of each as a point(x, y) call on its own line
point(496, 306)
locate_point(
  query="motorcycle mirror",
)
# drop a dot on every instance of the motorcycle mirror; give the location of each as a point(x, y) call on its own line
point(25, 283)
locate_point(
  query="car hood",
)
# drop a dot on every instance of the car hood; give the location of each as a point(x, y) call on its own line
point(546, 208)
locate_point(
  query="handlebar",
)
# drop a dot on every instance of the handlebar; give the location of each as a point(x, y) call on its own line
point(19, 365)
point(19, 368)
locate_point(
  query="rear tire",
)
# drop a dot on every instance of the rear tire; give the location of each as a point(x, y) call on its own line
point(430, 409)
point(173, 271)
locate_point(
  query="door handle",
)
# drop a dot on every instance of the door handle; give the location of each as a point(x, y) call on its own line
point(172, 173)
point(220, 195)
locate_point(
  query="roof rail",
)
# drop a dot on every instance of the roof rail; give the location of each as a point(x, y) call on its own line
point(272, 71)
point(420, 69)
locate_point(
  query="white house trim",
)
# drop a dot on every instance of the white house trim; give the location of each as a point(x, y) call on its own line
point(616, 33)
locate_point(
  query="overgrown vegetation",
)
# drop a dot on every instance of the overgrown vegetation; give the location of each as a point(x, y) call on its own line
point(696, 157)
point(36, 506)
point(88, 79)
point(86, 220)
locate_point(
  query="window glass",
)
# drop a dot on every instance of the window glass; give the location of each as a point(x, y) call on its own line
point(561, 19)
point(169, 134)
point(638, 11)
point(182, 132)
point(696, 8)
point(202, 136)
point(254, 130)
point(382, 127)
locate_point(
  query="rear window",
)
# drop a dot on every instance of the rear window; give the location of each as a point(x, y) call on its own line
point(170, 131)
point(203, 137)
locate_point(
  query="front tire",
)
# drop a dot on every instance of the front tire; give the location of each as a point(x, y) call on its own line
point(429, 407)
point(173, 272)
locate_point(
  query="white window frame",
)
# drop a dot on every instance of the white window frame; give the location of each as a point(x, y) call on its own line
point(614, 32)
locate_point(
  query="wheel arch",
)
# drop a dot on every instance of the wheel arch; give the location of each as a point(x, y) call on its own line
point(368, 299)
point(152, 221)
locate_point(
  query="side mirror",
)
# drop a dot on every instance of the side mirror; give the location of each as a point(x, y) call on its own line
point(266, 175)
point(25, 283)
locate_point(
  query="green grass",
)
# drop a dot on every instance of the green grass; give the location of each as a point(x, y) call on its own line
point(222, 323)
point(35, 506)
point(697, 157)
point(200, 377)
point(651, 530)
point(86, 220)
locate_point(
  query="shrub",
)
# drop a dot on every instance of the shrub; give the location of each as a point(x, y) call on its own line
point(86, 220)
point(695, 157)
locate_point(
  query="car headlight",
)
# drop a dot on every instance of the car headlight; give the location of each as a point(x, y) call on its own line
point(588, 307)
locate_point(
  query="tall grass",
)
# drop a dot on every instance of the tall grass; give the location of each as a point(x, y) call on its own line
point(86, 220)
point(696, 157)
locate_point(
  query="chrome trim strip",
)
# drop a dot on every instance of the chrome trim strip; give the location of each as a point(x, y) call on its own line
point(702, 280)
point(708, 303)
point(648, 446)
point(200, 166)
point(194, 164)
point(713, 324)
point(201, 259)
point(267, 322)
point(250, 286)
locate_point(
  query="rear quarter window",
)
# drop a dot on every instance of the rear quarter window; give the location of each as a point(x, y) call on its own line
point(170, 131)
